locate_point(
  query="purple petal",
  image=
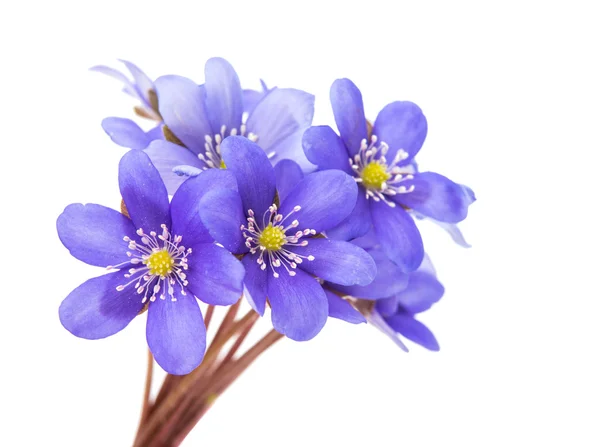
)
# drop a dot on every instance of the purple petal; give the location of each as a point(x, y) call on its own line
point(337, 262)
point(437, 197)
point(341, 309)
point(165, 156)
point(116, 74)
point(377, 320)
point(287, 175)
point(94, 234)
point(221, 212)
point(299, 307)
point(251, 98)
point(156, 133)
point(186, 204)
point(125, 133)
point(181, 104)
point(214, 275)
point(279, 121)
point(427, 266)
point(390, 280)
point(176, 333)
point(413, 330)
point(369, 240)
point(326, 198)
point(223, 95)
point(253, 172)
point(422, 292)
point(143, 191)
point(255, 284)
point(324, 148)
point(143, 83)
point(387, 306)
point(347, 104)
point(401, 125)
point(356, 224)
point(96, 309)
point(398, 235)
point(453, 231)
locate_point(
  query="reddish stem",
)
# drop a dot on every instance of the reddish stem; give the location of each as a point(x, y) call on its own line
point(224, 380)
point(210, 310)
point(186, 383)
point(146, 406)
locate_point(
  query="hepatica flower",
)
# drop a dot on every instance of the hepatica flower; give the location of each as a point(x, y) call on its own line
point(396, 315)
point(200, 117)
point(278, 235)
point(126, 132)
point(393, 299)
point(381, 160)
point(161, 257)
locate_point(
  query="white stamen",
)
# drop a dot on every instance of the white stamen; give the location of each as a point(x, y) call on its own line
point(212, 145)
point(151, 284)
point(283, 257)
point(375, 152)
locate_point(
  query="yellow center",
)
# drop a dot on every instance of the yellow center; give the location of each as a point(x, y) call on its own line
point(373, 175)
point(272, 238)
point(160, 263)
point(222, 165)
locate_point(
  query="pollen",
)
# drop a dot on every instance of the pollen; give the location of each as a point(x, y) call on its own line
point(272, 238)
point(222, 165)
point(160, 263)
point(374, 175)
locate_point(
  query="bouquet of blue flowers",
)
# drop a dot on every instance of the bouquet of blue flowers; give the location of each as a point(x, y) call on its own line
point(233, 195)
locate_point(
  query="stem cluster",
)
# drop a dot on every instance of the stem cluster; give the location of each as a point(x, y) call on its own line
point(182, 400)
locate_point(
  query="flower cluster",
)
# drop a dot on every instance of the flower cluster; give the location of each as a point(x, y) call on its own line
point(231, 192)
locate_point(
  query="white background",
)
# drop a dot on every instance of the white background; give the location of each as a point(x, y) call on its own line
point(511, 93)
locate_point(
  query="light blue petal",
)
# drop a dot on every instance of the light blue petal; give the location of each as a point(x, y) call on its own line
point(181, 104)
point(279, 121)
point(166, 156)
point(125, 133)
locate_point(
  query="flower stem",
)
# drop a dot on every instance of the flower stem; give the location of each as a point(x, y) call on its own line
point(185, 384)
point(185, 409)
point(224, 380)
point(209, 313)
point(146, 401)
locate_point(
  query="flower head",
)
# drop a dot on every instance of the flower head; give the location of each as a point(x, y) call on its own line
point(381, 160)
point(161, 257)
point(141, 88)
point(201, 117)
point(392, 300)
point(277, 227)
point(126, 132)
point(396, 315)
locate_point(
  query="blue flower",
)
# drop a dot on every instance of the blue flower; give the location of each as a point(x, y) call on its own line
point(200, 117)
point(381, 159)
point(393, 298)
point(126, 132)
point(164, 257)
point(396, 315)
point(276, 228)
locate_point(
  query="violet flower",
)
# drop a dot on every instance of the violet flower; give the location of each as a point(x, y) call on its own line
point(164, 257)
point(391, 305)
point(389, 280)
point(126, 132)
point(396, 315)
point(381, 160)
point(284, 257)
point(200, 117)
